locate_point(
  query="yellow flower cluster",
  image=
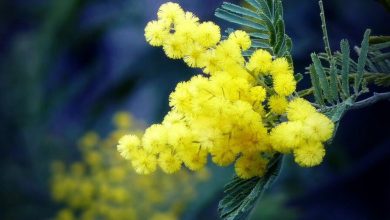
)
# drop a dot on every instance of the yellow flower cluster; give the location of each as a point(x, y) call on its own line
point(101, 186)
point(231, 112)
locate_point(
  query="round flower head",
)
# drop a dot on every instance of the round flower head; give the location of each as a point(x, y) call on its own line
point(280, 66)
point(123, 120)
point(194, 56)
point(310, 154)
point(278, 104)
point(195, 160)
point(174, 47)
point(143, 162)
point(179, 99)
point(189, 16)
point(222, 157)
point(318, 126)
point(250, 166)
point(284, 84)
point(156, 33)
point(210, 62)
point(155, 139)
point(127, 144)
point(260, 62)
point(170, 13)
point(286, 136)
point(241, 38)
point(169, 162)
point(299, 109)
point(228, 53)
point(208, 34)
point(257, 93)
point(186, 30)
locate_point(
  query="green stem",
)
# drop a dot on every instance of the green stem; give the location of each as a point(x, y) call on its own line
point(324, 30)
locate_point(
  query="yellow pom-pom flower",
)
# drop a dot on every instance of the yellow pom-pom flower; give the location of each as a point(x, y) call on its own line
point(174, 46)
point(257, 93)
point(284, 84)
point(247, 167)
point(277, 104)
point(195, 160)
point(208, 34)
point(155, 139)
point(222, 157)
point(169, 162)
point(260, 62)
point(299, 109)
point(309, 155)
point(156, 33)
point(128, 144)
point(194, 56)
point(280, 66)
point(228, 53)
point(170, 13)
point(318, 127)
point(241, 38)
point(143, 162)
point(286, 136)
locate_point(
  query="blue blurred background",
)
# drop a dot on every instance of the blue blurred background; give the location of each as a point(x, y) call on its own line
point(67, 65)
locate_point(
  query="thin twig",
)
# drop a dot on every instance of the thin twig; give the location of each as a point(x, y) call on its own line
point(373, 99)
point(324, 30)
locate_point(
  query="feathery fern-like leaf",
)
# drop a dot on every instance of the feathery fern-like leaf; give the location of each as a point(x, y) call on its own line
point(264, 22)
point(362, 61)
point(324, 84)
point(345, 66)
point(241, 195)
point(333, 81)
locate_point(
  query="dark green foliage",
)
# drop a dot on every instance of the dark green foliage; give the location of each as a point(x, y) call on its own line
point(333, 78)
point(241, 195)
point(334, 75)
point(345, 66)
point(263, 19)
point(332, 83)
point(361, 61)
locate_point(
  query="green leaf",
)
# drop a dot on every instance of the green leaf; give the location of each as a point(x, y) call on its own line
point(231, 17)
point(380, 46)
point(259, 44)
point(259, 35)
point(265, 8)
point(316, 85)
point(270, 26)
point(280, 35)
point(333, 80)
point(254, 3)
point(239, 10)
point(241, 195)
point(322, 77)
point(362, 61)
point(345, 67)
point(278, 9)
point(298, 77)
point(381, 57)
point(266, 18)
